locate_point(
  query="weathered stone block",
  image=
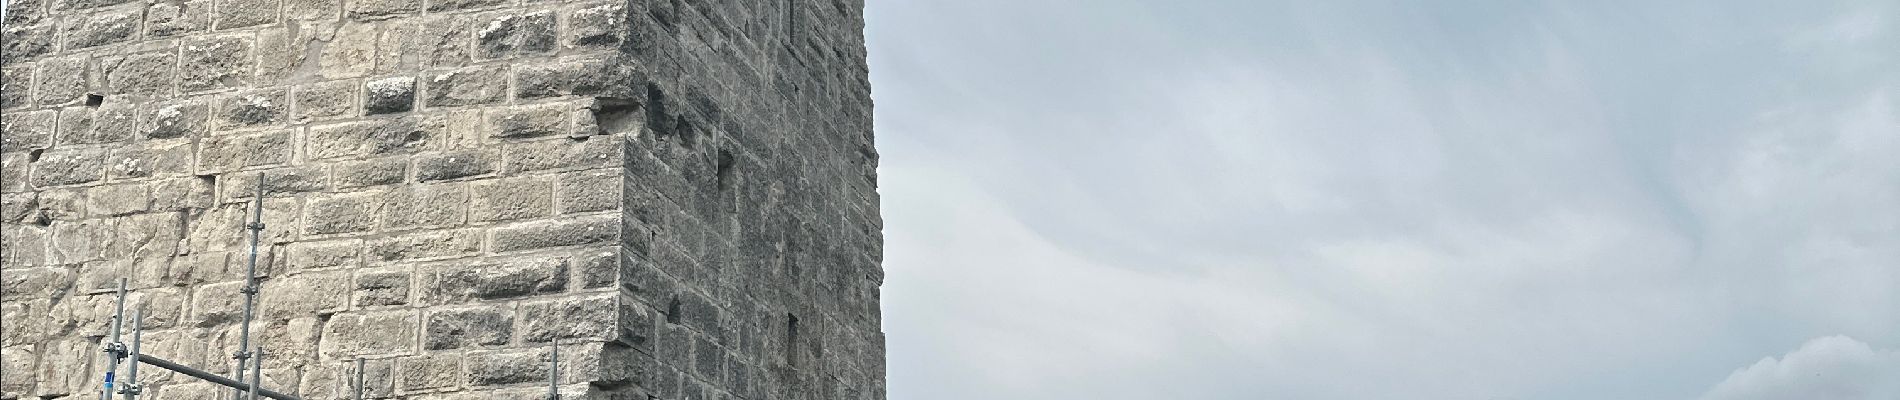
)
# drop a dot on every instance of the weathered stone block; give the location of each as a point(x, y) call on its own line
point(378, 9)
point(63, 80)
point(372, 138)
point(426, 245)
point(146, 74)
point(424, 206)
point(454, 165)
point(381, 171)
point(597, 27)
point(565, 232)
point(324, 100)
point(232, 152)
point(175, 120)
point(17, 89)
point(560, 155)
point(69, 167)
point(508, 35)
point(495, 279)
point(389, 95)
point(173, 18)
point(369, 332)
point(182, 193)
point(84, 4)
point(529, 121)
point(425, 372)
point(253, 109)
point(29, 130)
point(456, 328)
point(334, 253)
point(277, 182)
point(89, 125)
point(467, 86)
point(343, 213)
point(36, 282)
point(102, 28)
point(351, 53)
point(233, 14)
point(382, 288)
point(590, 318)
point(507, 367)
point(121, 199)
point(21, 43)
point(510, 199)
point(25, 12)
point(588, 191)
point(312, 9)
point(215, 63)
point(148, 159)
point(305, 294)
point(217, 304)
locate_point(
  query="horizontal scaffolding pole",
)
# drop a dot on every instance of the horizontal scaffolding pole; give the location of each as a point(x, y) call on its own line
point(213, 378)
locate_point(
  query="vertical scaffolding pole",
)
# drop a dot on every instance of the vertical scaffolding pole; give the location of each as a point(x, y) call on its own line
point(250, 285)
point(132, 387)
point(554, 372)
point(257, 371)
point(114, 349)
point(359, 378)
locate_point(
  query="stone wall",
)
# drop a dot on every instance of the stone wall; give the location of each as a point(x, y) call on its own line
point(681, 193)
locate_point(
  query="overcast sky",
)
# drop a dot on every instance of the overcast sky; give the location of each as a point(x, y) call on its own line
point(1351, 199)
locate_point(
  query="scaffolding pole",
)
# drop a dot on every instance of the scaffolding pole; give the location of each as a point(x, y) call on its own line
point(213, 378)
point(250, 288)
point(114, 349)
point(554, 371)
point(359, 378)
point(132, 388)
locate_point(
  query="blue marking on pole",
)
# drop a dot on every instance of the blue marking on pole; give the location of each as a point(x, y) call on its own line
point(108, 380)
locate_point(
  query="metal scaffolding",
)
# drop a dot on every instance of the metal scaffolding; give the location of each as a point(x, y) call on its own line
point(248, 354)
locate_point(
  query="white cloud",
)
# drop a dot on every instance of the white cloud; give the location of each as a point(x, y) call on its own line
point(1833, 368)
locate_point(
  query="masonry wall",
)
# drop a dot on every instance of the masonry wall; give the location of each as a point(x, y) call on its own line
point(681, 193)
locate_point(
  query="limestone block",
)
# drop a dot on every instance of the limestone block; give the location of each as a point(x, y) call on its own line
point(455, 164)
point(27, 130)
point(424, 206)
point(426, 372)
point(145, 74)
point(591, 318)
point(507, 367)
point(101, 28)
point(558, 233)
point(588, 191)
point(382, 287)
point(150, 159)
point(372, 137)
point(307, 255)
point(215, 63)
point(176, 120)
point(389, 95)
point(305, 294)
point(454, 328)
point(62, 80)
point(459, 282)
point(529, 121)
point(369, 332)
point(466, 86)
point(596, 27)
point(68, 167)
point(16, 90)
point(257, 108)
point(22, 43)
point(379, 9)
point(508, 35)
point(242, 13)
point(557, 155)
point(175, 18)
point(231, 152)
point(342, 213)
point(324, 100)
point(425, 245)
point(374, 172)
point(510, 199)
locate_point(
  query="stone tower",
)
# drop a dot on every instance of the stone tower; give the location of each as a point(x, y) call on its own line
point(680, 193)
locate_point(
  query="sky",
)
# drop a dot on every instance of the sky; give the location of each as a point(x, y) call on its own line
point(1360, 199)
